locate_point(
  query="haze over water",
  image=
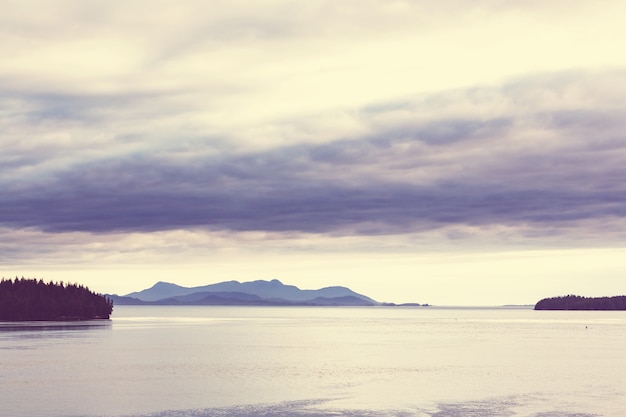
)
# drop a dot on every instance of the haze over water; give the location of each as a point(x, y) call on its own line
point(249, 361)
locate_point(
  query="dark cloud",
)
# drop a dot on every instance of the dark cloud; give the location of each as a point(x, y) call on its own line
point(412, 171)
point(323, 189)
point(313, 207)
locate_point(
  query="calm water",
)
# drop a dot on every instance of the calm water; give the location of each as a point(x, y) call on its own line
point(249, 361)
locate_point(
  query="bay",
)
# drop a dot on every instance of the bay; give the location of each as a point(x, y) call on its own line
point(317, 361)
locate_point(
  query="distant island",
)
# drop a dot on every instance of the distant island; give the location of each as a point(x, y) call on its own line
point(30, 299)
point(576, 302)
point(253, 293)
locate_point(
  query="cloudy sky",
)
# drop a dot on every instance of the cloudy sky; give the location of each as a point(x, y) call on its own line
point(446, 152)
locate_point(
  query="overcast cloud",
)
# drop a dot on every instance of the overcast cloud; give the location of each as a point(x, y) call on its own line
point(316, 126)
point(407, 171)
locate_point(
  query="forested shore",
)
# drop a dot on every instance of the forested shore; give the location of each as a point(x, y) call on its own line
point(32, 299)
point(576, 302)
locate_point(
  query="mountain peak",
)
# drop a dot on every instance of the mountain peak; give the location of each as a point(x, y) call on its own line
point(163, 284)
point(159, 290)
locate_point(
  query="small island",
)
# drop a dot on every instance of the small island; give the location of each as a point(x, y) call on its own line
point(30, 299)
point(576, 302)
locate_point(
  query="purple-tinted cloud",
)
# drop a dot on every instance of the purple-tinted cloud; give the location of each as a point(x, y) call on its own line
point(312, 189)
point(410, 172)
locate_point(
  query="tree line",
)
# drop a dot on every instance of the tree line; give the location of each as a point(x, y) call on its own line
point(32, 299)
point(576, 302)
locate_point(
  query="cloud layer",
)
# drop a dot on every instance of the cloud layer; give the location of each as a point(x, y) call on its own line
point(542, 152)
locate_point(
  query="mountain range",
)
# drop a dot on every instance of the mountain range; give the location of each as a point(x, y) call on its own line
point(255, 293)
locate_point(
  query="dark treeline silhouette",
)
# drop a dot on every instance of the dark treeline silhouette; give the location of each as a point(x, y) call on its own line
point(576, 302)
point(31, 299)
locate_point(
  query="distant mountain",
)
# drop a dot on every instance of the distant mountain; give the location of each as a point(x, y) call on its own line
point(120, 300)
point(264, 289)
point(258, 292)
point(159, 290)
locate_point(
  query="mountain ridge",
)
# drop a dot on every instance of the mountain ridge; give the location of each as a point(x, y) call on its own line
point(259, 292)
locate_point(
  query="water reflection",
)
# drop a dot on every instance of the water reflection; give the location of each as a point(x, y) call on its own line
point(16, 335)
point(46, 326)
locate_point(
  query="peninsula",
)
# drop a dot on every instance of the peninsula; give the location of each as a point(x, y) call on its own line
point(576, 302)
point(30, 299)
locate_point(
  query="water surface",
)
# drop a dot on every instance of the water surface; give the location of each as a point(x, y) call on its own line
point(303, 361)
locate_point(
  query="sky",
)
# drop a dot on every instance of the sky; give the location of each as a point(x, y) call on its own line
point(449, 152)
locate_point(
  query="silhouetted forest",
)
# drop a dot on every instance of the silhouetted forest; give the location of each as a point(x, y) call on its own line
point(31, 299)
point(576, 302)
